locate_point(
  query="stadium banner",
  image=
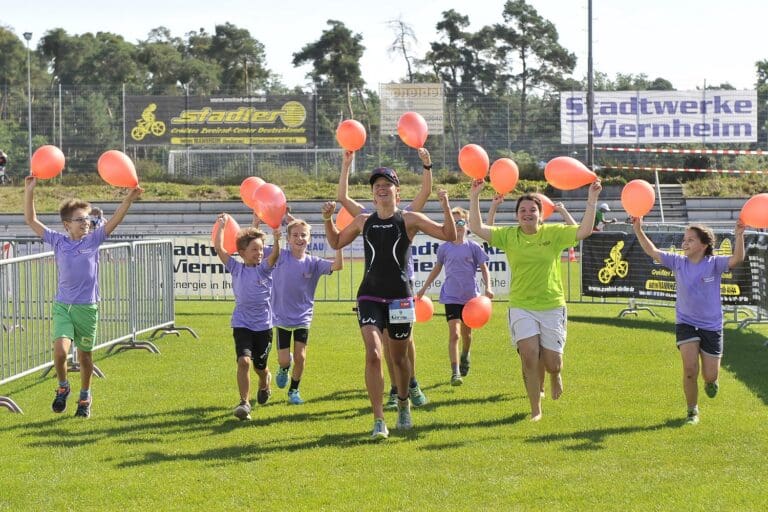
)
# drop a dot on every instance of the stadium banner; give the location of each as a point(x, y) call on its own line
point(198, 272)
point(653, 117)
point(615, 265)
point(275, 120)
point(397, 99)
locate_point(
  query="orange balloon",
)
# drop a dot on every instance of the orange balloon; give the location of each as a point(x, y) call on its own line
point(504, 175)
point(473, 161)
point(351, 135)
point(637, 198)
point(754, 213)
point(270, 204)
point(477, 312)
point(424, 308)
point(566, 173)
point(117, 169)
point(343, 218)
point(47, 162)
point(248, 187)
point(547, 206)
point(412, 129)
point(231, 229)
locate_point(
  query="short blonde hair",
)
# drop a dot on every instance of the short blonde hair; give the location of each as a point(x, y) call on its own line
point(461, 212)
point(297, 222)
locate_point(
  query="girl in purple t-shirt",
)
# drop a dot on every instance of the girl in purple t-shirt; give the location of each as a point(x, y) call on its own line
point(293, 299)
point(252, 316)
point(461, 259)
point(698, 311)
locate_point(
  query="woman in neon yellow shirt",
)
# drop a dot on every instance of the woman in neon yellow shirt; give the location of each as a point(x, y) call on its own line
point(537, 315)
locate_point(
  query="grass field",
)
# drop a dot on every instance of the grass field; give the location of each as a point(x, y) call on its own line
point(162, 435)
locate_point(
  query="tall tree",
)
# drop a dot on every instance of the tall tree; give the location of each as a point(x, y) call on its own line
point(530, 51)
point(241, 58)
point(405, 38)
point(335, 59)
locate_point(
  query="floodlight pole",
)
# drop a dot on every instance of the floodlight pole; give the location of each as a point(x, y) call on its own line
point(590, 92)
point(28, 37)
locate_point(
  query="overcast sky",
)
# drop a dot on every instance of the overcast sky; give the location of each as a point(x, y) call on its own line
point(684, 42)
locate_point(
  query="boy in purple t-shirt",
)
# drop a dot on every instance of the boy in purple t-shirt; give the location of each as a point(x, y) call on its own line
point(252, 317)
point(698, 311)
point(75, 307)
point(461, 259)
point(293, 298)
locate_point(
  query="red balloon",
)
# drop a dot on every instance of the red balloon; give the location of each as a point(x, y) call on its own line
point(248, 187)
point(424, 308)
point(343, 218)
point(230, 235)
point(412, 129)
point(566, 173)
point(754, 213)
point(637, 198)
point(473, 161)
point(270, 204)
point(351, 135)
point(547, 206)
point(504, 175)
point(477, 312)
point(117, 169)
point(47, 162)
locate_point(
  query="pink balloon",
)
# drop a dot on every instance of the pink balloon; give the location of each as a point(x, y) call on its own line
point(754, 213)
point(230, 235)
point(566, 173)
point(270, 204)
point(477, 312)
point(504, 175)
point(637, 198)
point(343, 218)
point(412, 129)
point(47, 162)
point(473, 161)
point(547, 206)
point(248, 187)
point(424, 308)
point(117, 169)
point(351, 135)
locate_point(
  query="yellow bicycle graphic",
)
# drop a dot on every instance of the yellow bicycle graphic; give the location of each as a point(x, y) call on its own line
point(148, 124)
point(614, 265)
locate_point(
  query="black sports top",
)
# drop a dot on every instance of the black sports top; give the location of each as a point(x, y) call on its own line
point(386, 245)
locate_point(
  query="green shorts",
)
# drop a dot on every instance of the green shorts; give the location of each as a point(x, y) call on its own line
point(77, 322)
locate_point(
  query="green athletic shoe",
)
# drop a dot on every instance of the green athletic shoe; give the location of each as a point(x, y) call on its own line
point(391, 401)
point(404, 421)
point(711, 388)
point(464, 365)
point(418, 398)
point(380, 430)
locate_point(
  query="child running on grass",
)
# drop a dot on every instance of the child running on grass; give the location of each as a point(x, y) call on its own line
point(461, 259)
point(75, 307)
point(252, 316)
point(295, 278)
point(698, 310)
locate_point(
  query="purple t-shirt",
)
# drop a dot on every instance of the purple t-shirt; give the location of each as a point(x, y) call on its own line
point(698, 289)
point(460, 262)
point(293, 294)
point(77, 265)
point(252, 287)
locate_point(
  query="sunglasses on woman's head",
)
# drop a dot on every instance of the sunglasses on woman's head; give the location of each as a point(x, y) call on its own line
point(461, 223)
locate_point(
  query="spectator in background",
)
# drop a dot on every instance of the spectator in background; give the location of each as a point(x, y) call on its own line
point(600, 220)
point(3, 161)
point(97, 218)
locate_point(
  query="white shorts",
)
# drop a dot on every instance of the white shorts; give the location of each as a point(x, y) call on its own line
point(549, 325)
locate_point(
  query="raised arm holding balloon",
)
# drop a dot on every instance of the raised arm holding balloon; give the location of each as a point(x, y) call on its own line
point(698, 308)
point(537, 312)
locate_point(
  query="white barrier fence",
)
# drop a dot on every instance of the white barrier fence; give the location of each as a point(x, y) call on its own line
point(137, 296)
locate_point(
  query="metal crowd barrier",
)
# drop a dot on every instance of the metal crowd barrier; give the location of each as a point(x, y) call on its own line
point(136, 287)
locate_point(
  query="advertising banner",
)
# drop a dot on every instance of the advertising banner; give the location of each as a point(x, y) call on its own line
point(651, 117)
point(615, 265)
point(397, 99)
point(213, 120)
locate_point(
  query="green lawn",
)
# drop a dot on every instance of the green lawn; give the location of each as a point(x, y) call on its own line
point(162, 435)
